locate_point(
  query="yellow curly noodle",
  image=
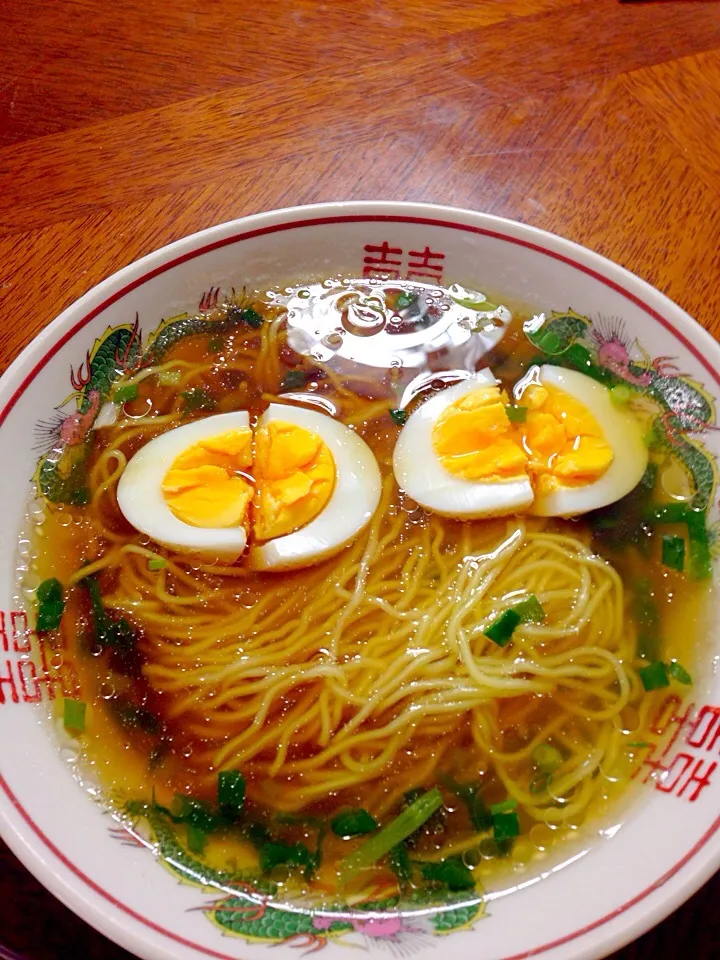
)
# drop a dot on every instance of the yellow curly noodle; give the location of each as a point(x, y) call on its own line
point(368, 675)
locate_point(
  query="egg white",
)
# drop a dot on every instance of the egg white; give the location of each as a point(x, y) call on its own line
point(141, 500)
point(620, 429)
point(352, 503)
point(422, 476)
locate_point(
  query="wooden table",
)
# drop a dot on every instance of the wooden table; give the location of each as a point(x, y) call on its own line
point(127, 124)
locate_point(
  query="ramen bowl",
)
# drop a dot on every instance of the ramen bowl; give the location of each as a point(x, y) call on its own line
point(619, 874)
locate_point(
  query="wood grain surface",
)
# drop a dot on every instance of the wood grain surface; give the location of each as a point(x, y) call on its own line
point(127, 124)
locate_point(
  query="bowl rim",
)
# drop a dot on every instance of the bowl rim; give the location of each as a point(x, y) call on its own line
point(623, 924)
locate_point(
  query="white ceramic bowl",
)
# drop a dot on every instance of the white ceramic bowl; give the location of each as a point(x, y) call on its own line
point(616, 885)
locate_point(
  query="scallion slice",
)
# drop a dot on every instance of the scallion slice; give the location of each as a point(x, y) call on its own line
point(406, 823)
point(654, 676)
point(353, 823)
point(74, 715)
point(125, 392)
point(196, 838)
point(679, 673)
point(673, 553)
point(530, 610)
point(451, 873)
point(231, 793)
point(516, 413)
point(700, 567)
point(546, 758)
point(578, 356)
point(404, 299)
point(506, 826)
point(502, 628)
point(51, 604)
point(399, 417)
point(293, 380)
point(620, 394)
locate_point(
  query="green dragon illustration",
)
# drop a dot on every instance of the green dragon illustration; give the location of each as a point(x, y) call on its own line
point(119, 352)
point(684, 407)
point(60, 473)
point(246, 908)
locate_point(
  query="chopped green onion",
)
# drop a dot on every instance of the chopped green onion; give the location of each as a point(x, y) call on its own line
point(128, 391)
point(639, 744)
point(293, 380)
point(275, 853)
point(502, 628)
point(404, 299)
point(410, 796)
point(399, 417)
point(399, 862)
point(197, 398)
point(578, 355)
point(196, 838)
point(50, 605)
point(246, 315)
point(654, 676)
point(451, 873)
point(700, 556)
point(195, 812)
point(699, 541)
point(647, 617)
point(215, 344)
point(679, 673)
point(673, 553)
point(546, 758)
point(505, 806)
point(157, 563)
point(231, 793)
point(549, 342)
point(530, 610)
point(169, 378)
point(471, 796)
point(404, 824)
point(516, 413)
point(620, 395)
point(506, 826)
point(353, 823)
point(670, 513)
point(251, 317)
point(481, 306)
point(74, 715)
point(108, 631)
point(132, 717)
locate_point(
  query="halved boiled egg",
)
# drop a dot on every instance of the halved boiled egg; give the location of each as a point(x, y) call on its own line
point(584, 451)
point(301, 485)
point(457, 454)
point(567, 448)
point(186, 488)
point(330, 483)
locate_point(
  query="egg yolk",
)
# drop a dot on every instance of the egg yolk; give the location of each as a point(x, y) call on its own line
point(474, 439)
point(565, 444)
point(559, 444)
point(203, 487)
point(295, 476)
